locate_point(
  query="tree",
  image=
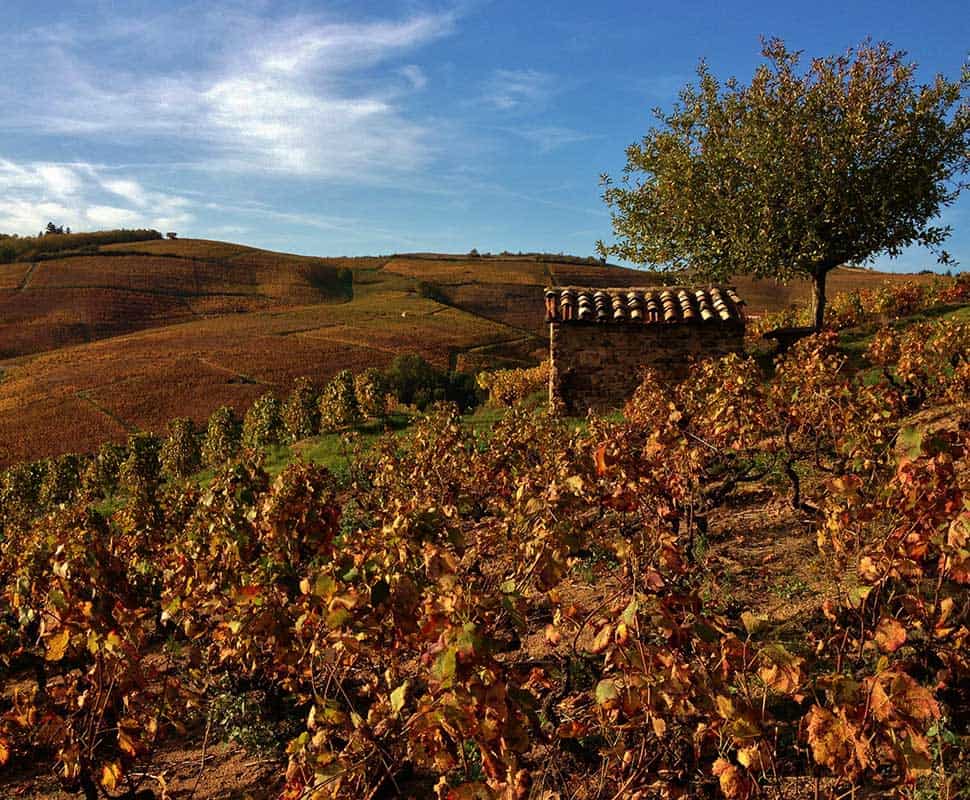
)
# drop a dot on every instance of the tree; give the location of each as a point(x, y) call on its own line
point(263, 423)
point(371, 390)
point(797, 172)
point(181, 453)
point(301, 417)
point(141, 471)
point(338, 402)
point(222, 437)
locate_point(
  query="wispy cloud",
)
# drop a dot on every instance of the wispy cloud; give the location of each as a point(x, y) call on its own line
point(513, 90)
point(82, 196)
point(415, 75)
point(551, 137)
point(281, 95)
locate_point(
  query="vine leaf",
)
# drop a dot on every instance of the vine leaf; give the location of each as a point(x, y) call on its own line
point(890, 635)
point(57, 645)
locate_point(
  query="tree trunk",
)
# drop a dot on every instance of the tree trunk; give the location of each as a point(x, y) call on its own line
point(818, 299)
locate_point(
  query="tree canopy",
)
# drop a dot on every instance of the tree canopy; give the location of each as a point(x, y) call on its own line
point(796, 173)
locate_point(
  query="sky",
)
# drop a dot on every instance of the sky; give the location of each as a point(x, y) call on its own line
point(365, 128)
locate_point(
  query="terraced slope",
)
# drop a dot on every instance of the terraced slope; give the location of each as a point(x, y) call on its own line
point(763, 296)
point(73, 398)
point(98, 345)
point(507, 288)
point(60, 302)
point(504, 288)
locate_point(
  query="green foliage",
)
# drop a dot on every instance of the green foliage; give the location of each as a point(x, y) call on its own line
point(797, 172)
point(222, 437)
point(141, 471)
point(416, 382)
point(484, 603)
point(62, 478)
point(28, 248)
point(462, 390)
point(411, 378)
point(101, 471)
point(432, 291)
point(243, 716)
point(19, 492)
point(330, 281)
point(371, 390)
point(263, 423)
point(181, 455)
point(301, 415)
point(338, 402)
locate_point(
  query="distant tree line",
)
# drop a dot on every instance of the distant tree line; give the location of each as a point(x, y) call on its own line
point(139, 466)
point(56, 239)
point(560, 258)
point(322, 276)
point(51, 229)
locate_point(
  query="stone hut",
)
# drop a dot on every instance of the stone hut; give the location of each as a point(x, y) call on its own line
point(600, 339)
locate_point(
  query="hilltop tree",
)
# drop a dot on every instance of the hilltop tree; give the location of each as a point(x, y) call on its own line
point(797, 172)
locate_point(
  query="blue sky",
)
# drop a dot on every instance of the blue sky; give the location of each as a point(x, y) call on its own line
point(338, 128)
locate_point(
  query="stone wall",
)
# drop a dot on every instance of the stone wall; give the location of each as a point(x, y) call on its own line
point(598, 365)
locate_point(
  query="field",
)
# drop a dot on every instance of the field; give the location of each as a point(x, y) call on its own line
point(139, 381)
point(58, 302)
point(95, 346)
point(748, 584)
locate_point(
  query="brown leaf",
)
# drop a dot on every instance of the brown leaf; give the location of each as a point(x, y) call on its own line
point(836, 743)
point(600, 459)
point(890, 635)
point(754, 623)
point(602, 639)
point(57, 645)
point(780, 670)
point(111, 774)
point(552, 634)
point(734, 784)
point(896, 694)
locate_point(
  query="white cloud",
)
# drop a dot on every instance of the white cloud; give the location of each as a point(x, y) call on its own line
point(130, 190)
point(109, 217)
point(415, 75)
point(297, 95)
point(80, 196)
point(60, 181)
point(511, 90)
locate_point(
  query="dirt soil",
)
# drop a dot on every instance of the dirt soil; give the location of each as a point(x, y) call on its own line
point(230, 773)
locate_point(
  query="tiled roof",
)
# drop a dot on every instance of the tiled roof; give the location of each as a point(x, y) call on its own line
point(646, 306)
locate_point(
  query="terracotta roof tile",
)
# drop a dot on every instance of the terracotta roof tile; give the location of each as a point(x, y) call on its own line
point(644, 305)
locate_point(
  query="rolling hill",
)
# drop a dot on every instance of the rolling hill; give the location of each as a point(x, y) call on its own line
point(96, 345)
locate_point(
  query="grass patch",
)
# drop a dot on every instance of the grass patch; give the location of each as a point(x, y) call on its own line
point(483, 419)
point(854, 341)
